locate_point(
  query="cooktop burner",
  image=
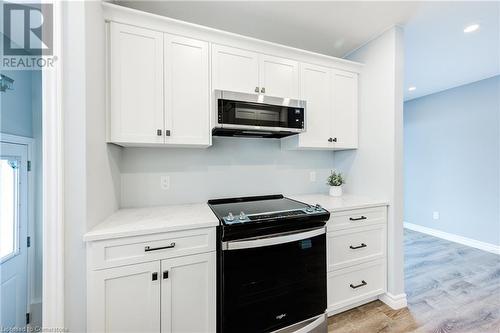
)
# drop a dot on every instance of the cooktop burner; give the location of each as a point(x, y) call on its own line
point(248, 216)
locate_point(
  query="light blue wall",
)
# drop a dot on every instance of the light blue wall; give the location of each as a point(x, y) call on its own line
point(451, 160)
point(15, 114)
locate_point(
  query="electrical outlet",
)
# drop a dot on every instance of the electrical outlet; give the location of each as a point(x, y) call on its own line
point(312, 176)
point(435, 215)
point(165, 182)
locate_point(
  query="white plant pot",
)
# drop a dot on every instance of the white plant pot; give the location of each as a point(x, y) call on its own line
point(336, 191)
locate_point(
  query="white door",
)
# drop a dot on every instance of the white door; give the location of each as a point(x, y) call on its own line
point(345, 109)
point(187, 102)
point(13, 235)
point(125, 299)
point(235, 69)
point(279, 77)
point(136, 84)
point(315, 90)
point(188, 294)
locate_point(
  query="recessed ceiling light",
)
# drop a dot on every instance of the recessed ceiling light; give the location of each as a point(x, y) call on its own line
point(471, 28)
point(412, 88)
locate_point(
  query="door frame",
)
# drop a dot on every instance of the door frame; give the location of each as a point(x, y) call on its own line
point(30, 269)
point(53, 177)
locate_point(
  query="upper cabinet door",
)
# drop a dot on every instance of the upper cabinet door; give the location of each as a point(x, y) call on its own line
point(125, 299)
point(187, 102)
point(136, 84)
point(345, 109)
point(234, 69)
point(187, 290)
point(315, 90)
point(279, 77)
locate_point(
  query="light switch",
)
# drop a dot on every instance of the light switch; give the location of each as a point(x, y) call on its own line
point(165, 182)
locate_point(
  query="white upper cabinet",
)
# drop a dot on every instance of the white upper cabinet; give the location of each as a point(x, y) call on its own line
point(279, 77)
point(245, 71)
point(187, 101)
point(315, 90)
point(136, 85)
point(188, 289)
point(345, 109)
point(235, 69)
point(125, 299)
point(331, 97)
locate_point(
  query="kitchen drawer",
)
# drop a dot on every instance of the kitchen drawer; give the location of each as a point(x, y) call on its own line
point(355, 284)
point(354, 246)
point(357, 218)
point(132, 250)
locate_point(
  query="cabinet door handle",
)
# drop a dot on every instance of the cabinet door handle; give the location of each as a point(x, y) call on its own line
point(167, 132)
point(358, 247)
point(158, 132)
point(357, 218)
point(362, 284)
point(154, 276)
point(263, 90)
point(330, 140)
point(256, 89)
point(149, 249)
point(165, 275)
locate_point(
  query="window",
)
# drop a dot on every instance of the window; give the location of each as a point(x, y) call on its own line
point(9, 208)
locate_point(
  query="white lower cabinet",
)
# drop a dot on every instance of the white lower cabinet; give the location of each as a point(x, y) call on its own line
point(175, 294)
point(188, 294)
point(125, 299)
point(356, 256)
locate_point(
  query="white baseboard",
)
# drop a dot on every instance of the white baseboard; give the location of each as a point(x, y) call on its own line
point(454, 238)
point(395, 302)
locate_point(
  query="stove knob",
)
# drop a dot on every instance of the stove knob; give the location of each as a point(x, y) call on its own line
point(230, 217)
point(242, 216)
point(318, 207)
point(309, 209)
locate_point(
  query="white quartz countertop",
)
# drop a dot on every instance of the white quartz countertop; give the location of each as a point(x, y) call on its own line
point(150, 220)
point(336, 204)
point(142, 221)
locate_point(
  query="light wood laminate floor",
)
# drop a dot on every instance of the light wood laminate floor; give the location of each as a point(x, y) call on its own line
point(450, 288)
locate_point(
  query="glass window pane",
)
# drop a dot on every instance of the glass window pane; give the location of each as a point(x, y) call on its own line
point(8, 207)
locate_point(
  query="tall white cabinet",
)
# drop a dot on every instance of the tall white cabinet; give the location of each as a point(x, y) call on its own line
point(159, 88)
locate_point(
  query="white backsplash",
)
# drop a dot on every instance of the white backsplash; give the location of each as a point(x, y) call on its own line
point(231, 167)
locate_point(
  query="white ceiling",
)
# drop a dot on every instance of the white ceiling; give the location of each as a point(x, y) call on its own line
point(438, 55)
point(327, 27)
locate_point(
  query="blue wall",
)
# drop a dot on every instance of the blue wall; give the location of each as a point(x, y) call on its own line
point(16, 115)
point(452, 153)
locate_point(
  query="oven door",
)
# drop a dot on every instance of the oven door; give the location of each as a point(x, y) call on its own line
point(273, 282)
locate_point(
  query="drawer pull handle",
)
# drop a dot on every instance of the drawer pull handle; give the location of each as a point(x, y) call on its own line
point(148, 249)
point(362, 284)
point(357, 218)
point(358, 247)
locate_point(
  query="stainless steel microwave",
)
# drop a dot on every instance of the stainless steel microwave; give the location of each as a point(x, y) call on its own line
point(255, 115)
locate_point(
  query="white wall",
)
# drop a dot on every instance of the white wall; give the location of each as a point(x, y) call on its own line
point(452, 160)
point(231, 167)
point(375, 169)
point(91, 176)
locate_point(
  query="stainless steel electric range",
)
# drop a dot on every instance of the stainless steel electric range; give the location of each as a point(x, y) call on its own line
point(271, 265)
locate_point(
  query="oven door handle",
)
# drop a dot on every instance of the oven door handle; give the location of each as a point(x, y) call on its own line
point(274, 240)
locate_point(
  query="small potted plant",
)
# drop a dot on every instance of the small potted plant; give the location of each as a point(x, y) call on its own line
point(336, 180)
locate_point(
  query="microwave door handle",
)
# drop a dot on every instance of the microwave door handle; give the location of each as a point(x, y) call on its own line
point(268, 241)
